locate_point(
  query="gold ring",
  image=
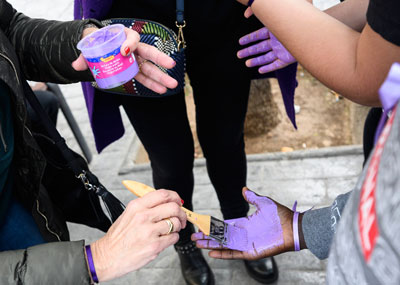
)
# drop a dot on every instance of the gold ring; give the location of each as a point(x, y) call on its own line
point(171, 226)
point(143, 62)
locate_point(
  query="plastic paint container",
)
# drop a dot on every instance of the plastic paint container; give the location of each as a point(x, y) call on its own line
point(101, 50)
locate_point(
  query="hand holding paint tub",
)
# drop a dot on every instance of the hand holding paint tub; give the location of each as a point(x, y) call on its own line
point(269, 232)
point(101, 50)
point(113, 55)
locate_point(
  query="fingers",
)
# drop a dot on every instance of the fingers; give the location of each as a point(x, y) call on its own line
point(162, 227)
point(203, 241)
point(250, 196)
point(131, 42)
point(154, 78)
point(226, 254)
point(154, 55)
point(262, 47)
point(159, 197)
point(261, 34)
point(248, 13)
point(168, 240)
point(168, 210)
point(199, 236)
point(209, 244)
point(261, 60)
point(277, 64)
point(80, 64)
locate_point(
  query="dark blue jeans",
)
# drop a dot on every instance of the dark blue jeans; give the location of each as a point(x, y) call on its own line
point(19, 230)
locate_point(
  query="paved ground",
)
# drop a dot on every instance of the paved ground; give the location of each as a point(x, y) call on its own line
point(313, 178)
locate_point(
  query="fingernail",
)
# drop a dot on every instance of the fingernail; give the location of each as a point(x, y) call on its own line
point(127, 50)
point(182, 201)
point(243, 41)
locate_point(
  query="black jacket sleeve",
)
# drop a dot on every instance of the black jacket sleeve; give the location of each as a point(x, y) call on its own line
point(45, 48)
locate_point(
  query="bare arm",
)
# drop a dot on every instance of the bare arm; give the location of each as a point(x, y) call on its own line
point(351, 13)
point(354, 64)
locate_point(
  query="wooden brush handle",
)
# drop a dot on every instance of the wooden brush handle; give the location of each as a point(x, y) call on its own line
point(201, 221)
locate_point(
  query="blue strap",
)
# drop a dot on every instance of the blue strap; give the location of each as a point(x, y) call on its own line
point(180, 9)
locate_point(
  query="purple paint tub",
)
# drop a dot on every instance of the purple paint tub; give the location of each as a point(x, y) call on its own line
point(101, 50)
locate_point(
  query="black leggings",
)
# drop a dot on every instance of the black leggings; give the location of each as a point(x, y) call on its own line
point(220, 85)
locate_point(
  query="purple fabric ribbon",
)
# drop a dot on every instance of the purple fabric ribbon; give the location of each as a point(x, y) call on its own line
point(91, 263)
point(389, 94)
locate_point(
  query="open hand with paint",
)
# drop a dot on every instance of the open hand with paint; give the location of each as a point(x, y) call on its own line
point(147, 56)
point(269, 53)
point(269, 232)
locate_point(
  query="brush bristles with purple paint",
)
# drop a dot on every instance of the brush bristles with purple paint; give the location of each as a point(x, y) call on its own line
point(228, 235)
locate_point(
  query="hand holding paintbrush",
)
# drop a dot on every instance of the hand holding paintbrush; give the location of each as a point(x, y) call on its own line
point(226, 234)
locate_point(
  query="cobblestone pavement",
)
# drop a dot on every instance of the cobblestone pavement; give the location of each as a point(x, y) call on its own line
point(312, 177)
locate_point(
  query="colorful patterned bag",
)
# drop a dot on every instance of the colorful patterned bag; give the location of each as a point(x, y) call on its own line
point(165, 40)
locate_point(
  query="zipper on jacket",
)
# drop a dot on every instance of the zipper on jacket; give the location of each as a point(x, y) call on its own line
point(13, 66)
point(47, 222)
point(2, 138)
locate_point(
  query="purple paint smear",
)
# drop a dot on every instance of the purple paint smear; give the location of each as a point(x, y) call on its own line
point(263, 229)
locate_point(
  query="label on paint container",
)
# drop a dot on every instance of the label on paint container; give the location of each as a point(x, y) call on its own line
point(110, 64)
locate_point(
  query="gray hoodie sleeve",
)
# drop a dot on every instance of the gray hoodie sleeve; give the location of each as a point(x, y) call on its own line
point(320, 225)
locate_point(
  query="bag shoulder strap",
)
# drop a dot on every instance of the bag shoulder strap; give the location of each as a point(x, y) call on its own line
point(180, 12)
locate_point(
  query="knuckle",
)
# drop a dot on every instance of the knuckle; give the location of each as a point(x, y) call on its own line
point(141, 217)
point(174, 238)
point(132, 205)
point(163, 193)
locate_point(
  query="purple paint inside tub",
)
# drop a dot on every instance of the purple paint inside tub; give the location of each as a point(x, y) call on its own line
point(101, 50)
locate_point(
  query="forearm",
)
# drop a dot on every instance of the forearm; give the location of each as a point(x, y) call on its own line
point(319, 226)
point(52, 263)
point(351, 13)
point(338, 56)
point(47, 48)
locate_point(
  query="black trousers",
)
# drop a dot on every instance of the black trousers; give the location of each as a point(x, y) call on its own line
point(220, 85)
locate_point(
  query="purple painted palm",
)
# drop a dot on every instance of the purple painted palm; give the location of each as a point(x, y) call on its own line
point(264, 229)
point(274, 55)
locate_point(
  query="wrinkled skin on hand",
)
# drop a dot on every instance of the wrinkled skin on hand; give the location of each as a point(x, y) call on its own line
point(265, 233)
point(274, 55)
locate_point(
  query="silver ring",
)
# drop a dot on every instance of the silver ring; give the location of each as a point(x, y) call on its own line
point(171, 226)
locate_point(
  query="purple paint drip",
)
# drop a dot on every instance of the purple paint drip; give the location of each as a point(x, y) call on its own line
point(254, 234)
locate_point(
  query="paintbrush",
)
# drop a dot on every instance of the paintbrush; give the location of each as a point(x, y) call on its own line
point(210, 226)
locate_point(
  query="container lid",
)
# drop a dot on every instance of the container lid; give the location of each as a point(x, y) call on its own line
point(102, 41)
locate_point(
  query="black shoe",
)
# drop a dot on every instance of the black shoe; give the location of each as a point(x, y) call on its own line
point(195, 269)
point(263, 270)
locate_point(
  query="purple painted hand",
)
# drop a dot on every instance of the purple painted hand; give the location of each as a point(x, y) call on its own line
point(275, 56)
point(269, 232)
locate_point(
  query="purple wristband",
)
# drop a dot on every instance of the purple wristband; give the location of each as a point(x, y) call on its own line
point(296, 228)
point(249, 3)
point(91, 264)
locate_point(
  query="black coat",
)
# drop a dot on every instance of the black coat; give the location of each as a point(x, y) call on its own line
point(39, 50)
